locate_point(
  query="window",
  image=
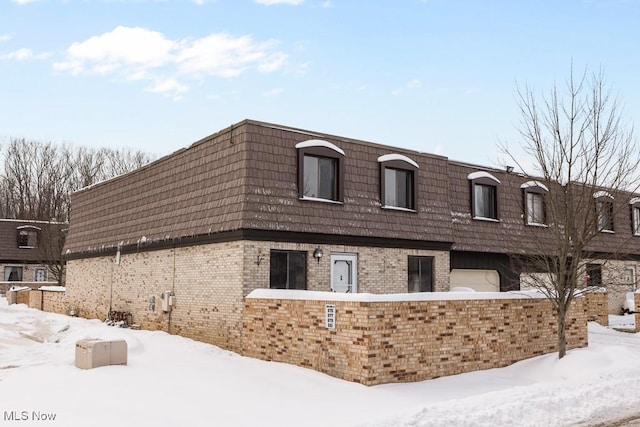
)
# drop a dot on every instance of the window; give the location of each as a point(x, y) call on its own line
point(604, 211)
point(27, 238)
point(484, 195)
point(594, 275)
point(629, 276)
point(635, 215)
point(320, 180)
point(320, 171)
point(40, 275)
point(534, 202)
point(13, 274)
point(420, 270)
point(288, 270)
point(398, 181)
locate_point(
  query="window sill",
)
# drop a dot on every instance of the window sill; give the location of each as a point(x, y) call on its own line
point(608, 231)
point(26, 247)
point(481, 218)
point(317, 199)
point(535, 224)
point(398, 208)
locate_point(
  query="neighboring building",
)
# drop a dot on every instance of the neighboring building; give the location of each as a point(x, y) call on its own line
point(26, 255)
point(258, 205)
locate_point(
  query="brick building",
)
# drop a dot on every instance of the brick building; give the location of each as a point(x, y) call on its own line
point(27, 253)
point(258, 205)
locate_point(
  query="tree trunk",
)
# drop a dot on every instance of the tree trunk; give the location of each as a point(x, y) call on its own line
point(562, 339)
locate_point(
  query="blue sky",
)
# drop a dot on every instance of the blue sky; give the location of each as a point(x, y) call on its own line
point(431, 75)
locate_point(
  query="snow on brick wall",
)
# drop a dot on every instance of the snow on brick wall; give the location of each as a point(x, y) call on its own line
point(400, 341)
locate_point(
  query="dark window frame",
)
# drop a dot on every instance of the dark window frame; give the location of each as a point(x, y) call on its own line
point(607, 203)
point(287, 285)
point(27, 237)
point(487, 182)
point(412, 171)
point(594, 274)
point(322, 152)
point(535, 190)
point(420, 259)
point(635, 218)
point(19, 271)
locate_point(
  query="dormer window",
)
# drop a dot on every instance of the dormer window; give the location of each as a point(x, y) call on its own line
point(604, 211)
point(320, 171)
point(484, 195)
point(635, 215)
point(398, 189)
point(534, 195)
point(28, 237)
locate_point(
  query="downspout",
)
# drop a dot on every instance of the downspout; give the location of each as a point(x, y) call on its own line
point(173, 287)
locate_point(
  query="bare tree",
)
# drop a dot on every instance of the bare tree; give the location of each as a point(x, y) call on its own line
point(37, 179)
point(585, 157)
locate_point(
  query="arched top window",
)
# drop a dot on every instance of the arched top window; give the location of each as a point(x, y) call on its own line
point(484, 195)
point(474, 176)
point(320, 171)
point(604, 211)
point(634, 205)
point(28, 236)
point(398, 182)
point(534, 185)
point(398, 157)
point(320, 143)
point(534, 195)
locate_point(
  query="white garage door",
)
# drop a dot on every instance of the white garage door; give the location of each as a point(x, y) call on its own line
point(480, 280)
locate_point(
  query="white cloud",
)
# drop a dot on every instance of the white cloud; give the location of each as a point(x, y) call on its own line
point(134, 53)
point(414, 84)
point(122, 47)
point(24, 54)
point(170, 88)
point(273, 92)
point(326, 4)
point(5, 38)
point(411, 84)
point(20, 54)
point(24, 1)
point(272, 2)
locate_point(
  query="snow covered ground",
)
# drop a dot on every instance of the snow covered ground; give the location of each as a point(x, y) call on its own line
point(173, 381)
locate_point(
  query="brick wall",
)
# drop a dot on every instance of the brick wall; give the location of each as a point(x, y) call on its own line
point(398, 341)
point(53, 302)
point(206, 281)
point(380, 270)
point(616, 278)
point(596, 305)
point(636, 299)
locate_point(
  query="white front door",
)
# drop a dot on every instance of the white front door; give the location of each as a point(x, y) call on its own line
point(344, 273)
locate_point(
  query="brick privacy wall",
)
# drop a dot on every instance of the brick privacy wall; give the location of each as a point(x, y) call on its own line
point(636, 300)
point(615, 281)
point(53, 302)
point(380, 270)
point(22, 297)
point(206, 281)
point(35, 299)
point(385, 342)
point(596, 305)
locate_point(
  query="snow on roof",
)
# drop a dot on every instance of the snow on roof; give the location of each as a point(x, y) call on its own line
point(389, 157)
point(365, 297)
point(19, 288)
point(599, 194)
point(538, 184)
point(319, 143)
point(476, 175)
